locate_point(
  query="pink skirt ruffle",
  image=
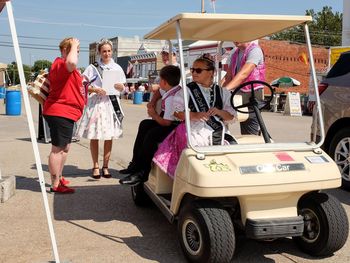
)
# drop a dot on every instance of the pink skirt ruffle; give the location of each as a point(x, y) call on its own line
point(169, 151)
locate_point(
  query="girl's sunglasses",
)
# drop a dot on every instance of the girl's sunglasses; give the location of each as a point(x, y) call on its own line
point(199, 70)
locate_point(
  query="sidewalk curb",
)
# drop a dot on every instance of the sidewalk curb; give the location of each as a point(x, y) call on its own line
point(7, 188)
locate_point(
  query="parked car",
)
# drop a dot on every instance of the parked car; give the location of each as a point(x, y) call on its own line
point(334, 93)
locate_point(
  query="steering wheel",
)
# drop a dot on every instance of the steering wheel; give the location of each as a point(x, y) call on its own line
point(253, 101)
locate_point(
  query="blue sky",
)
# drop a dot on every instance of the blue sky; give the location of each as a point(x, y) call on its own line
point(42, 24)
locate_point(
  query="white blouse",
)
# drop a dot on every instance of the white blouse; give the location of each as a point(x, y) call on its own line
point(90, 73)
point(179, 102)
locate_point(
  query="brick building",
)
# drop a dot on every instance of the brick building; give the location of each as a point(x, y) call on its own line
point(282, 59)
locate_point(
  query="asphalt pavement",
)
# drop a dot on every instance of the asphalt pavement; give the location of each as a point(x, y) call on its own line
point(100, 223)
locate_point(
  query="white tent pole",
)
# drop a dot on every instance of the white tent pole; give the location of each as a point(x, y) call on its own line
point(31, 127)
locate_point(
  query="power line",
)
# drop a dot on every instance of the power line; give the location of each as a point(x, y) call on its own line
point(79, 24)
point(52, 47)
point(44, 38)
point(93, 12)
point(39, 48)
point(39, 45)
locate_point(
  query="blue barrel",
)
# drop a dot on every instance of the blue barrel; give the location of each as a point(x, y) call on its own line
point(138, 97)
point(13, 102)
point(2, 92)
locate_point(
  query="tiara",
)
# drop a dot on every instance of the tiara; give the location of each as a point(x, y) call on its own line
point(104, 41)
point(208, 57)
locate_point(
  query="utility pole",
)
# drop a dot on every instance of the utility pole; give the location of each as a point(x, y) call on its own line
point(202, 11)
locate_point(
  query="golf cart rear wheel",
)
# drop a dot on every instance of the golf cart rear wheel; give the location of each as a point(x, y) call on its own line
point(206, 233)
point(139, 195)
point(339, 150)
point(326, 225)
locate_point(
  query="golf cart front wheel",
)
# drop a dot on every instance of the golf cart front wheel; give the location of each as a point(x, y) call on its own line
point(326, 225)
point(206, 233)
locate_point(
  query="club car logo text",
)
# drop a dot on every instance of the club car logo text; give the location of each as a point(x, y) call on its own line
point(271, 168)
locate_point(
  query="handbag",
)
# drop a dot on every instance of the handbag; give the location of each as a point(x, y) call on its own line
point(40, 88)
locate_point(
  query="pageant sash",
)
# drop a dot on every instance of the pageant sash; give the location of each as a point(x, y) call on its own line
point(113, 98)
point(201, 105)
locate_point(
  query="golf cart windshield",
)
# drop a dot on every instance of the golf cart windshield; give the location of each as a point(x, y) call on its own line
point(240, 28)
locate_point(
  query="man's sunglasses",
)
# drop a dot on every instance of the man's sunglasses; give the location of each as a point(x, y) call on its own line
point(199, 70)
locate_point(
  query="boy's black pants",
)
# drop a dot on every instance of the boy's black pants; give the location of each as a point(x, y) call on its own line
point(149, 135)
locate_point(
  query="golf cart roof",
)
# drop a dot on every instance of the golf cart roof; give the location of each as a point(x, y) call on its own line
point(225, 27)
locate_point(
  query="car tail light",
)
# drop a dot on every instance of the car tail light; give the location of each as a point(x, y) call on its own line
point(322, 87)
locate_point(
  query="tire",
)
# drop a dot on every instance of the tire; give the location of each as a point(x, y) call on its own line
point(339, 150)
point(139, 195)
point(326, 225)
point(206, 233)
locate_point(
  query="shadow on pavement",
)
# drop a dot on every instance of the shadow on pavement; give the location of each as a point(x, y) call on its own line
point(258, 251)
point(158, 237)
point(340, 194)
point(74, 171)
point(28, 183)
point(68, 170)
point(113, 203)
point(29, 140)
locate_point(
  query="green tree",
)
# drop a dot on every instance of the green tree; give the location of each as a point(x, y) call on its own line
point(325, 29)
point(41, 64)
point(12, 70)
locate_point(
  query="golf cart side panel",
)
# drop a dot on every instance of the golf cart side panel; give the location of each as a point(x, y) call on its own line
point(233, 175)
point(159, 181)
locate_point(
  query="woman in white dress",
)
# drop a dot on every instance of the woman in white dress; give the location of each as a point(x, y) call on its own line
point(103, 114)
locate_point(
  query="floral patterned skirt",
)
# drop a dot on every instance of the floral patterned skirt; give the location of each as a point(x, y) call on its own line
point(99, 120)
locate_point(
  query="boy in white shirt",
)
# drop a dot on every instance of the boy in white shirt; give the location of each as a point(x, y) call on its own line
point(153, 131)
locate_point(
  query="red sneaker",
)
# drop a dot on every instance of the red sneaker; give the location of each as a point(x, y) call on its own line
point(64, 181)
point(62, 190)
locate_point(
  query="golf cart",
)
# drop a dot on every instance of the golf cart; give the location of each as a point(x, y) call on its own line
point(262, 188)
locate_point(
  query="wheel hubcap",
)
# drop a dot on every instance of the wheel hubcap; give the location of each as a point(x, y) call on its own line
point(192, 237)
point(342, 158)
point(311, 225)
